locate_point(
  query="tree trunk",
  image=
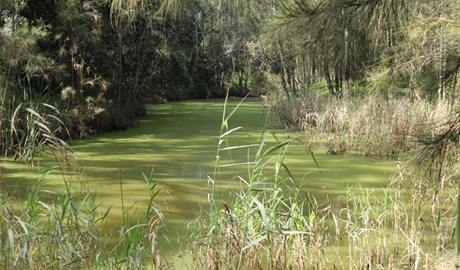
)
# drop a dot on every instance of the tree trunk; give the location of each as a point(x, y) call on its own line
point(327, 76)
point(140, 63)
point(195, 54)
point(1, 13)
point(311, 78)
point(118, 113)
point(347, 66)
point(284, 84)
point(292, 80)
point(285, 74)
point(247, 73)
point(337, 80)
point(240, 77)
point(441, 94)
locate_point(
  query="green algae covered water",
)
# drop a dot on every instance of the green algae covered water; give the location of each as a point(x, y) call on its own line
point(179, 142)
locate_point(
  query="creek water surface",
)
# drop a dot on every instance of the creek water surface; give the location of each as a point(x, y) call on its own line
point(179, 141)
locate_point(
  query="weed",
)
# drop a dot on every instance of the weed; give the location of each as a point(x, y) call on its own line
point(274, 224)
point(371, 125)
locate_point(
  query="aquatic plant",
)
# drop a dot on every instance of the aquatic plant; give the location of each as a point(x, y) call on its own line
point(273, 223)
point(371, 125)
point(70, 230)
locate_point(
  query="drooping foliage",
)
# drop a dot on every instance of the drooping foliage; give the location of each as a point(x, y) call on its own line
point(395, 46)
point(335, 41)
point(100, 62)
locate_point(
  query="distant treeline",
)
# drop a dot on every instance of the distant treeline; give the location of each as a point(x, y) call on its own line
point(99, 62)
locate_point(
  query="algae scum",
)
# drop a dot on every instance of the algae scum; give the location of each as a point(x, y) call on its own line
point(179, 142)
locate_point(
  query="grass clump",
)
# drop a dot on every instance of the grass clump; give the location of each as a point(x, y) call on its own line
point(370, 125)
point(71, 231)
point(273, 223)
point(263, 223)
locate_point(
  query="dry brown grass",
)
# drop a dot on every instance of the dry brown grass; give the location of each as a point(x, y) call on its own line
point(407, 225)
point(401, 229)
point(373, 125)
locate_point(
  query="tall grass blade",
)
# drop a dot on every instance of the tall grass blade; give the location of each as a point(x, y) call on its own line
point(230, 131)
point(262, 211)
point(457, 227)
point(229, 116)
point(259, 166)
point(276, 147)
point(314, 159)
point(255, 242)
point(240, 146)
point(285, 167)
point(262, 141)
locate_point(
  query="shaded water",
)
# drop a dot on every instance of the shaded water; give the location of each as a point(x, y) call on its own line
point(179, 141)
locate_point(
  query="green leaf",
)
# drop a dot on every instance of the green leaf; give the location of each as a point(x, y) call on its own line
point(457, 229)
point(261, 144)
point(230, 131)
point(235, 109)
point(262, 211)
point(255, 242)
point(276, 147)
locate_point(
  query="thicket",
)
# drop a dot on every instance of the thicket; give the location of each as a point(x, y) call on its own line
point(274, 223)
point(98, 63)
point(68, 228)
point(383, 85)
point(373, 125)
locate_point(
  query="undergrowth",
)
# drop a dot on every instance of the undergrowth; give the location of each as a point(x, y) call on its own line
point(273, 223)
point(370, 125)
point(69, 229)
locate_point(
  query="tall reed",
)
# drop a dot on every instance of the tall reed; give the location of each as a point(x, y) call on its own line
point(272, 223)
point(69, 231)
point(371, 125)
